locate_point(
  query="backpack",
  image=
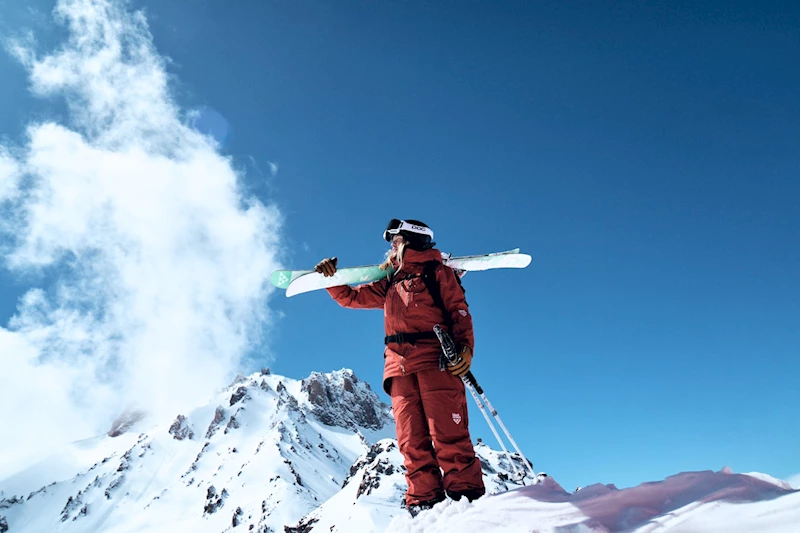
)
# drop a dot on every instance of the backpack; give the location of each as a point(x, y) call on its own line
point(429, 278)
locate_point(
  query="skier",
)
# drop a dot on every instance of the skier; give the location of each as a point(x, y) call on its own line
point(430, 405)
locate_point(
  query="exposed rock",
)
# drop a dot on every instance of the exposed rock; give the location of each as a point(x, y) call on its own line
point(114, 485)
point(233, 423)
point(237, 516)
point(340, 399)
point(213, 500)
point(3, 524)
point(292, 403)
point(305, 526)
point(348, 385)
point(294, 472)
point(5, 503)
point(485, 466)
point(240, 378)
point(372, 476)
point(219, 416)
point(374, 467)
point(42, 490)
point(124, 463)
point(193, 466)
point(316, 390)
point(83, 512)
point(286, 399)
point(71, 505)
point(240, 393)
point(506, 470)
point(180, 429)
point(322, 455)
point(124, 421)
point(375, 450)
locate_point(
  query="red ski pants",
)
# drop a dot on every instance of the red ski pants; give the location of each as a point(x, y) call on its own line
point(430, 409)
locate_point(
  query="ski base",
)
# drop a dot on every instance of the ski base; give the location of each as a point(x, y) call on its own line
point(300, 281)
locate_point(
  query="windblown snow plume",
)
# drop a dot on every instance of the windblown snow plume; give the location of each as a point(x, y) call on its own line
point(151, 262)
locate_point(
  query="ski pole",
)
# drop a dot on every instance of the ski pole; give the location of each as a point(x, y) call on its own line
point(517, 472)
point(471, 388)
point(449, 349)
point(510, 438)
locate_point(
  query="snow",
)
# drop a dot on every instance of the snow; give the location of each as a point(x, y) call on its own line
point(65, 463)
point(269, 453)
point(689, 502)
point(769, 479)
point(256, 447)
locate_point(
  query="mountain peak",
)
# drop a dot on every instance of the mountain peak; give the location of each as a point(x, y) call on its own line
point(339, 398)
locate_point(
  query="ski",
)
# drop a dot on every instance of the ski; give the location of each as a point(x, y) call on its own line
point(300, 281)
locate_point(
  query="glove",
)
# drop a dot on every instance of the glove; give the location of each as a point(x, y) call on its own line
point(461, 367)
point(327, 267)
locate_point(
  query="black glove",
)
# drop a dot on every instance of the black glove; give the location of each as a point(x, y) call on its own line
point(327, 267)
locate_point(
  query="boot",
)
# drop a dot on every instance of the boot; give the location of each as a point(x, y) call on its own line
point(415, 508)
point(469, 494)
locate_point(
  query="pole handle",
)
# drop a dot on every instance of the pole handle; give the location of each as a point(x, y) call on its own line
point(474, 382)
point(449, 349)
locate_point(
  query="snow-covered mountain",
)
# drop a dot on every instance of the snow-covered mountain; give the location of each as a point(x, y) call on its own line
point(273, 454)
point(264, 455)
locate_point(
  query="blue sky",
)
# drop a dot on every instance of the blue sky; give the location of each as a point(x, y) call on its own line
point(647, 157)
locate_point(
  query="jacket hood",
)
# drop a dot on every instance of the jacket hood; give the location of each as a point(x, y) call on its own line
point(415, 256)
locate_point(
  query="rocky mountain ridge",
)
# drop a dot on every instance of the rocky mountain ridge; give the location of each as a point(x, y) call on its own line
point(267, 454)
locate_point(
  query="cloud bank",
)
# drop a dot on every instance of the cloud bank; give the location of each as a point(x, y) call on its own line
point(151, 258)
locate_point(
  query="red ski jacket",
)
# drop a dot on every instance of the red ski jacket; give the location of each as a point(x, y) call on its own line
point(408, 307)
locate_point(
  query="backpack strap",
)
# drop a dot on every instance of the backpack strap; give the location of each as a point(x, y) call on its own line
point(429, 278)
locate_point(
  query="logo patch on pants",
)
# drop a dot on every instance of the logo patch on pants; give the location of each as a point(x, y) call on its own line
point(456, 418)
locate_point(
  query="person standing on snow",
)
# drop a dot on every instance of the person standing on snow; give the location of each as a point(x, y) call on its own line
point(430, 405)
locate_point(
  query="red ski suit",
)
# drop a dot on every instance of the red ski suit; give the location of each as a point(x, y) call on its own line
point(430, 405)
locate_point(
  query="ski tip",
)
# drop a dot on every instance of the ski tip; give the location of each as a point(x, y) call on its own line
point(279, 279)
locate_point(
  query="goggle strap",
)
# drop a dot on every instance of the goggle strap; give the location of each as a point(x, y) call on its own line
point(411, 228)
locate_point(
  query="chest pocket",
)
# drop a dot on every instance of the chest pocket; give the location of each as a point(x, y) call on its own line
point(410, 290)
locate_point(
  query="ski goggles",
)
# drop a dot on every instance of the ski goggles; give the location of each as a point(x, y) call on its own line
point(396, 225)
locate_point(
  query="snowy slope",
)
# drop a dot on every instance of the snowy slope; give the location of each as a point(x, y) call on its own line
point(692, 502)
point(373, 494)
point(272, 454)
point(267, 451)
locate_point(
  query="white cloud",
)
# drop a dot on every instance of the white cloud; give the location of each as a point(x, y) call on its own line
point(794, 481)
point(160, 262)
point(9, 174)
